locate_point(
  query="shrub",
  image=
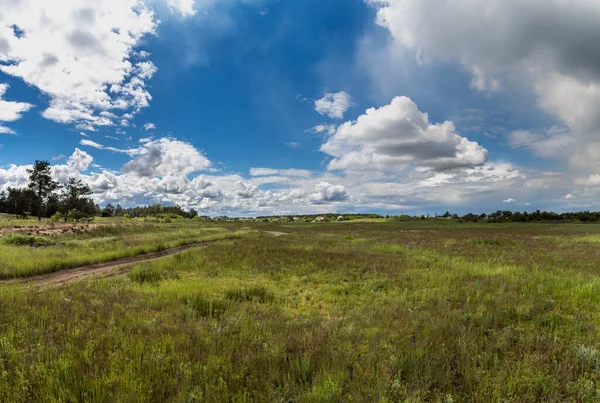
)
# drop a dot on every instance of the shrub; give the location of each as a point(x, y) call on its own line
point(26, 240)
point(57, 217)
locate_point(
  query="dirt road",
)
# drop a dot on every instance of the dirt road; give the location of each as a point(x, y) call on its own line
point(102, 269)
point(107, 268)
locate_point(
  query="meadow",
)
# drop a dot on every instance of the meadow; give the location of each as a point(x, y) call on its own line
point(418, 311)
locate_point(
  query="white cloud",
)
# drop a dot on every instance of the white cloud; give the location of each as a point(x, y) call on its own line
point(185, 7)
point(569, 197)
point(328, 193)
point(298, 173)
point(334, 105)
point(554, 143)
point(165, 157)
point(592, 180)
point(90, 143)
point(79, 53)
point(149, 126)
point(10, 111)
point(323, 128)
point(548, 47)
point(509, 201)
point(79, 160)
point(6, 130)
point(397, 135)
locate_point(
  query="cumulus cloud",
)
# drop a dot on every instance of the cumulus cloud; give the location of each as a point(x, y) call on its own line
point(397, 135)
point(79, 160)
point(334, 105)
point(166, 157)
point(509, 201)
point(328, 193)
point(546, 46)
point(80, 54)
point(149, 126)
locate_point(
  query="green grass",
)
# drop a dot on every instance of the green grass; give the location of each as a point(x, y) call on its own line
point(26, 240)
point(19, 259)
point(363, 312)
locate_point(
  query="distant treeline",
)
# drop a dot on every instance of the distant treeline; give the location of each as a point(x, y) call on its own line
point(156, 210)
point(44, 197)
point(535, 216)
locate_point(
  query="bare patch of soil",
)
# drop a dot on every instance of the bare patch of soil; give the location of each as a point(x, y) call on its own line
point(58, 229)
point(275, 233)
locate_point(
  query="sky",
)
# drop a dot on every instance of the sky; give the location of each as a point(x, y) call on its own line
point(261, 107)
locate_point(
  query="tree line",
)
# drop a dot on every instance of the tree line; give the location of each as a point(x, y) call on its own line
point(45, 197)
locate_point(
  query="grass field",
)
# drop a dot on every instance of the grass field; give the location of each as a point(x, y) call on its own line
point(361, 312)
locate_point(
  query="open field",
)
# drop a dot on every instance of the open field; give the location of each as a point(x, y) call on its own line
point(369, 311)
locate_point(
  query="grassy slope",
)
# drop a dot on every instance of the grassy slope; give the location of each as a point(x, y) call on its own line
point(352, 312)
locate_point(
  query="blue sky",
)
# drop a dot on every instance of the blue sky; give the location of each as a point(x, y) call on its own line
point(270, 106)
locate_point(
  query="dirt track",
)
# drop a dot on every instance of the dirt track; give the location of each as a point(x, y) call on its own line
point(107, 268)
point(102, 269)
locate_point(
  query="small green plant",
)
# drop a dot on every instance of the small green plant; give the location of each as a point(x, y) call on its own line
point(150, 275)
point(57, 217)
point(206, 308)
point(257, 293)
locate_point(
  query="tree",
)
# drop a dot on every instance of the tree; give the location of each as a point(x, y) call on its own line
point(41, 183)
point(109, 211)
point(14, 201)
point(74, 195)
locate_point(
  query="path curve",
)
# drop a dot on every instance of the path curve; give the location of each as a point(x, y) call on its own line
point(105, 268)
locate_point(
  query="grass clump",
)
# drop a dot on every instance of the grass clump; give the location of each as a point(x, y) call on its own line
point(206, 307)
point(257, 293)
point(26, 240)
point(147, 275)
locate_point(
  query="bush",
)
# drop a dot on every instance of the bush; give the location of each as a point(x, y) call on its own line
point(58, 216)
point(26, 240)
